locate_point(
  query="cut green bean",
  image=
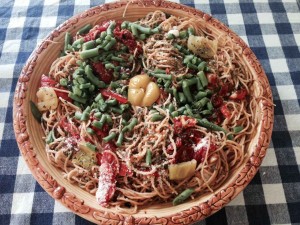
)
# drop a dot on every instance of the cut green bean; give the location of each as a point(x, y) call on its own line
point(77, 98)
point(110, 137)
point(200, 95)
point(201, 66)
point(125, 24)
point(144, 30)
point(189, 110)
point(90, 131)
point(90, 53)
point(156, 117)
point(183, 34)
point(89, 73)
point(175, 114)
point(98, 97)
point(237, 129)
point(170, 36)
point(191, 81)
point(90, 146)
point(97, 124)
point(86, 114)
point(103, 107)
point(89, 45)
point(191, 31)
point(49, 138)
point(183, 196)
point(108, 119)
point(116, 110)
point(182, 98)
point(84, 86)
point(142, 36)
point(167, 84)
point(110, 28)
point(111, 102)
point(187, 92)
point(78, 115)
point(118, 59)
point(209, 106)
point(84, 29)
point(120, 139)
point(171, 107)
point(206, 112)
point(110, 44)
point(148, 157)
point(161, 75)
point(35, 111)
point(205, 123)
point(203, 78)
point(68, 40)
point(199, 85)
point(131, 125)
point(78, 42)
point(109, 66)
point(191, 66)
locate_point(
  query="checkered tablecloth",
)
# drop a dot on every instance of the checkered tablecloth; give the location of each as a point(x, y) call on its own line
point(272, 30)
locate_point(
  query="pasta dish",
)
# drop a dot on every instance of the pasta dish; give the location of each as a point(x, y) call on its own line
point(140, 112)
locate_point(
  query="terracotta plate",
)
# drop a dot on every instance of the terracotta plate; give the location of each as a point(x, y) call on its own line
point(29, 133)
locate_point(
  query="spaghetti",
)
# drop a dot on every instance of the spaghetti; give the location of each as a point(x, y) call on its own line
point(137, 112)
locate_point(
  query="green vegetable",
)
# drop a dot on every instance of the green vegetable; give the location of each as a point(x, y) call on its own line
point(237, 129)
point(149, 157)
point(35, 111)
point(110, 137)
point(90, 131)
point(156, 117)
point(205, 123)
point(90, 53)
point(183, 196)
point(90, 146)
point(77, 98)
point(120, 139)
point(84, 29)
point(89, 73)
point(68, 39)
point(187, 92)
point(203, 78)
point(49, 138)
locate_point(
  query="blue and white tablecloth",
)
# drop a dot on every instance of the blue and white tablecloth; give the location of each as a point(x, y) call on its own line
point(272, 30)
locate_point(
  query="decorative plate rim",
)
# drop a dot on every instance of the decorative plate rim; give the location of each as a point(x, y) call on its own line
point(77, 205)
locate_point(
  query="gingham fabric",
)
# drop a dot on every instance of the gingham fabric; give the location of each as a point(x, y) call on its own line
point(272, 30)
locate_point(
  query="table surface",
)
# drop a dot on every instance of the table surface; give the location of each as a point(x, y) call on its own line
point(272, 30)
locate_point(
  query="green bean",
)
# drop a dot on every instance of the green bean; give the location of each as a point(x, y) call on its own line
point(200, 95)
point(84, 29)
point(98, 97)
point(89, 73)
point(78, 115)
point(183, 196)
point(91, 88)
point(174, 92)
point(109, 66)
point(182, 98)
point(131, 125)
point(155, 30)
point(78, 42)
point(103, 107)
point(80, 79)
point(170, 36)
point(108, 119)
point(49, 138)
point(118, 59)
point(123, 107)
point(77, 98)
point(35, 111)
point(116, 110)
point(191, 66)
point(206, 112)
point(174, 114)
point(187, 92)
point(183, 34)
point(159, 71)
point(108, 37)
point(203, 78)
point(181, 110)
point(90, 53)
point(205, 123)
point(191, 81)
point(209, 92)
point(187, 59)
point(201, 66)
point(98, 115)
point(110, 28)
point(125, 24)
point(90, 131)
point(84, 86)
point(97, 124)
point(160, 75)
point(76, 90)
point(191, 31)
point(148, 157)
point(110, 44)
point(167, 84)
point(120, 139)
point(201, 103)
point(189, 110)
point(199, 85)
point(171, 107)
point(86, 114)
point(156, 117)
point(110, 137)
point(144, 30)
point(88, 45)
point(209, 106)
point(134, 30)
point(111, 102)
point(237, 129)
point(68, 40)
point(142, 36)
